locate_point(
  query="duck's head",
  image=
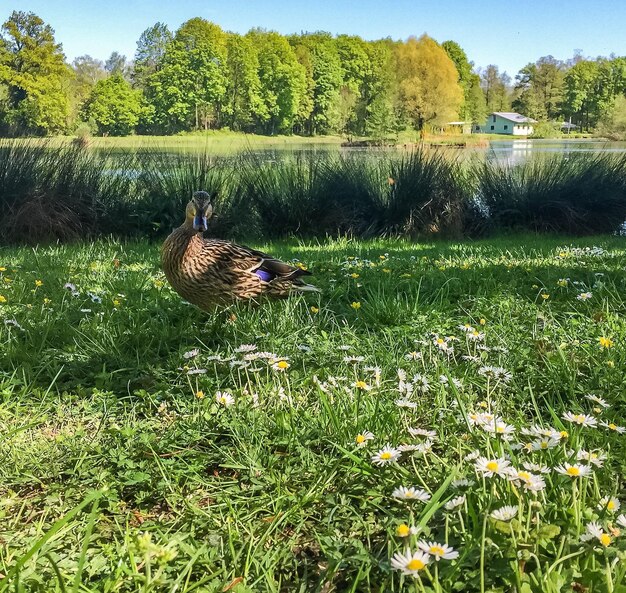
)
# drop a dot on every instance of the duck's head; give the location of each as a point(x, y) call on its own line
point(199, 210)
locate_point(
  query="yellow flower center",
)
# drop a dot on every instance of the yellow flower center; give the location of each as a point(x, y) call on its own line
point(564, 434)
point(360, 384)
point(524, 476)
point(360, 439)
point(283, 364)
point(611, 505)
point(613, 426)
point(437, 551)
point(403, 530)
point(544, 444)
point(440, 341)
point(605, 539)
point(415, 564)
point(573, 471)
point(493, 466)
point(385, 455)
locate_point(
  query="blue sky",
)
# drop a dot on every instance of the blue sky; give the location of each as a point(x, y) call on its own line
point(509, 34)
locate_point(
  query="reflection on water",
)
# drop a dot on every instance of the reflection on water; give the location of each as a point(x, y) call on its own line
point(514, 152)
point(505, 152)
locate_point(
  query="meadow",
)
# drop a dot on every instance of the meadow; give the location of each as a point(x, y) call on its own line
point(445, 416)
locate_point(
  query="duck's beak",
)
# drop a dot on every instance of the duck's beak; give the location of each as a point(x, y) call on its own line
point(199, 223)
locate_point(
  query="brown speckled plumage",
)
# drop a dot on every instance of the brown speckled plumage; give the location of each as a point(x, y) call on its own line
point(210, 272)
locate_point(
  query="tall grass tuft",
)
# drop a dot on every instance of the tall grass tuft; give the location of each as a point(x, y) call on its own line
point(426, 196)
point(56, 192)
point(164, 186)
point(579, 195)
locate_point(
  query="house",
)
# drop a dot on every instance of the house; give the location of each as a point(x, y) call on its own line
point(503, 122)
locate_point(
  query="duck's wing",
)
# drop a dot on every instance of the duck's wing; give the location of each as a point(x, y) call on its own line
point(242, 259)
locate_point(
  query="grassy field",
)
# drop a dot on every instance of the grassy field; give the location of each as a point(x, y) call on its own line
point(305, 445)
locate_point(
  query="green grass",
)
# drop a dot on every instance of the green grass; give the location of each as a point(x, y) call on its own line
point(121, 472)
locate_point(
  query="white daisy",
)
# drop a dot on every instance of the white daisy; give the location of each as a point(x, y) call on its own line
point(544, 444)
point(191, 353)
point(405, 403)
point(410, 563)
point(621, 520)
point(597, 400)
point(610, 503)
point(353, 359)
point(594, 530)
point(584, 296)
point(614, 427)
point(576, 470)
point(414, 355)
point(505, 513)
point(492, 467)
point(385, 456)
point(438, 551)
point(536, 467)
point(246, 348)
point(411, 493)
point(362, 438)
point(591, 457)
point(581, 419)
point(455, 503)
point(422, 432)
point(462, 483)
point(224, 399)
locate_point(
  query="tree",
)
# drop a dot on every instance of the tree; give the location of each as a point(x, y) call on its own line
point(150, 53)
point(243, 103)
point(283, 82)
point(474, 107)
point(428, 82)
point(114, 106)
point(540, 86)
point(379, 115)
point(190, 87)
point(318, 51)
point(118, 64)
point(34, 75)
point(496, 89)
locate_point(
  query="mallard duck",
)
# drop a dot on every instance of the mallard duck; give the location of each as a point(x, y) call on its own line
point(210, 272)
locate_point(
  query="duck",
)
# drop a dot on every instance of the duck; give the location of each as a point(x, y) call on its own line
point(210, 272)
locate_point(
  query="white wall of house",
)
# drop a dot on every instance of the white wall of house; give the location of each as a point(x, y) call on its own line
point(497, 124)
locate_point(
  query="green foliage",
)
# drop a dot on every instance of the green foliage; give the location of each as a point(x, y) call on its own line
point(428, 82)
point(283, 83)
point(114, 106)
point(189, 88)
point(540, 87)
point(33, 71)
point(495, 85)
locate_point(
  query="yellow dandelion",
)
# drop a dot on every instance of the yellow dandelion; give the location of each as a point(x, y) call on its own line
point(7, 280)
point(545, 296)
point(3, 299)
point(482, 321)
point(314, 310)
point(354, 275)
point(116, 302)
point(610, 364)
point(356, 305)
point(38, 283)
point(605, 342)
point(46, 301)
point(386, 270)
point(200, 394)
point(3, 269)
point(403, 530)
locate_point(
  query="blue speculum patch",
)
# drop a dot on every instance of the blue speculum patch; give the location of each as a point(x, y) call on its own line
point(265, 276)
